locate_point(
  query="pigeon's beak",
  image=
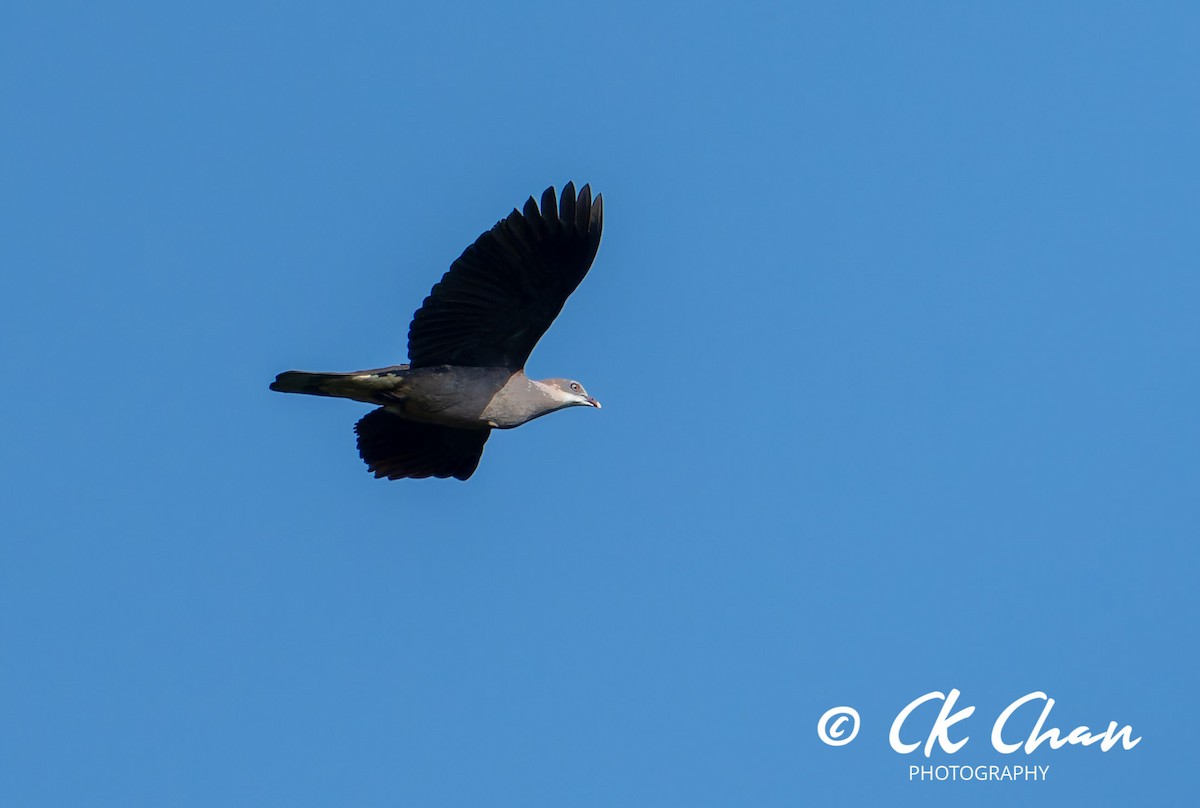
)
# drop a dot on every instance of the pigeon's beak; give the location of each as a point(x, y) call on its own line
point(593, 402)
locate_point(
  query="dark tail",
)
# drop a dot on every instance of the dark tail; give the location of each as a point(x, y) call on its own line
point(361, 385)
point(314, 384)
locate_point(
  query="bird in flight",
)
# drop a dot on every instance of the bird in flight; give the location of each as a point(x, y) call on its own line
point(468, 344)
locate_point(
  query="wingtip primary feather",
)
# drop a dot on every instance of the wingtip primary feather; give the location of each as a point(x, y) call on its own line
point(583, 208)
point(566, 205)
point(597, 221)
point(549, 204)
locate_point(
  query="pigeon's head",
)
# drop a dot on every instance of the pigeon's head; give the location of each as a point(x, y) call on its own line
point(570, 393)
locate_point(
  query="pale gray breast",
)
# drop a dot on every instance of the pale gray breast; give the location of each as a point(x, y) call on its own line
point(520, 400)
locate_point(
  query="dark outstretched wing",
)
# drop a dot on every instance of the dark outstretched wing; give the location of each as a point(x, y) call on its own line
point(395, 447)
point(502, 293)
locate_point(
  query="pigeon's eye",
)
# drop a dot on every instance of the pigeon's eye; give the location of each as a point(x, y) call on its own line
point(574, 387)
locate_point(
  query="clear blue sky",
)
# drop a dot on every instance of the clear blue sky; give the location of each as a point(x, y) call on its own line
point(895, 327)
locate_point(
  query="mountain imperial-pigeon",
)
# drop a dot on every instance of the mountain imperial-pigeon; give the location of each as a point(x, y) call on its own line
point(468, 344)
